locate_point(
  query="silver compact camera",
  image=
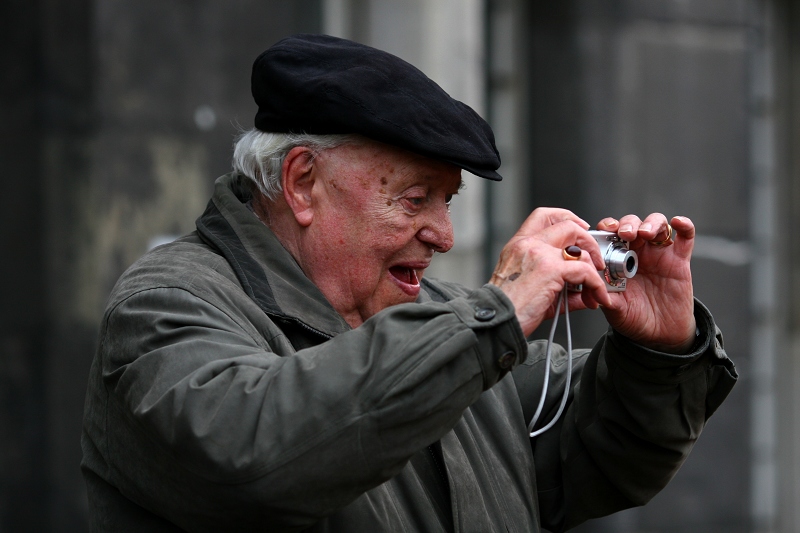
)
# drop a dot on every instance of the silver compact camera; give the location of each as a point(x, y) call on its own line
point(621, 262)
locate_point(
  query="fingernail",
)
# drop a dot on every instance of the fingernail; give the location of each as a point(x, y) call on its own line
point(626, 227)
point(645, 227)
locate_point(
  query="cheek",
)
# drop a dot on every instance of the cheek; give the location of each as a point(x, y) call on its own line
point(373, 249)
point(371, 229)
point(389, 237)
point(392, 220)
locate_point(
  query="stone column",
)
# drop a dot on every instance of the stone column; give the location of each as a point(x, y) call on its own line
point(444, 39)
point(117, 119)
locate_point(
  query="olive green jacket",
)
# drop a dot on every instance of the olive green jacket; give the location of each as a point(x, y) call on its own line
point(228, 395)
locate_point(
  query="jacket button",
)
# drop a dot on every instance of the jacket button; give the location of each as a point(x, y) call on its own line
point(506, 360)
point(484, 314)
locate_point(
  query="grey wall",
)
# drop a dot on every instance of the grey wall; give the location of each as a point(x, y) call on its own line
point(787, 12)
point(640, 107)
point(117, 117)
point(21, 387)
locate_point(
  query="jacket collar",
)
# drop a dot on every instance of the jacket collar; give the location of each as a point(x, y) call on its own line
point(267, 272)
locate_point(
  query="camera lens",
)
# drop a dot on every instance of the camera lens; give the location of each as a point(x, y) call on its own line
point(621, 262)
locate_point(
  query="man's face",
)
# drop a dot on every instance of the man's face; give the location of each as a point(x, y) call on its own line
point(379, 215)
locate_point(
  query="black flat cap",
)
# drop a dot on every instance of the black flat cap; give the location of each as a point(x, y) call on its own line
point(320, 85)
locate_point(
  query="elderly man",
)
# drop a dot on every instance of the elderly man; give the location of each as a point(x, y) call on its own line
point(287, 368)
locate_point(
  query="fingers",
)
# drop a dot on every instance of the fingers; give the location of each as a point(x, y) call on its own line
point(533, 269)
point(567, 233)
point(543, 217)
point(655, 230)
point(585, 298)
point(684, 239)
point(584, 271)
point(630, 227)
point(547, 251)
point(581, 273)
point(564, 235)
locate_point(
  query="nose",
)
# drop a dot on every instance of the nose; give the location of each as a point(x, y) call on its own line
point(437, 229)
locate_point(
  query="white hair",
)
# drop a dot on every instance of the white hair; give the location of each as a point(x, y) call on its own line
point(259, 155)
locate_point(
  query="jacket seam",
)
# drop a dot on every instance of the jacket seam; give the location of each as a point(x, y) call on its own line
point(490, 469)
point(238, 267)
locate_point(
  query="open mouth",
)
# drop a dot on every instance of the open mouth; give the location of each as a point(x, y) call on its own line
point(405, 275)
point(407, 279)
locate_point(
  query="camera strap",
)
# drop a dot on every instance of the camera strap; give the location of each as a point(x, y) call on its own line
point(548, 356)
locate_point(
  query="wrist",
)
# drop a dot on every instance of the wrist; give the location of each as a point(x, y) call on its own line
point(689, 345)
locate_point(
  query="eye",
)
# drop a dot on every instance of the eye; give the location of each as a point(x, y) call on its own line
point(413, 203)
point(448, 198)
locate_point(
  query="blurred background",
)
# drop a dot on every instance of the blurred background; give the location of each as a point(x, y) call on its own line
point(116, 116)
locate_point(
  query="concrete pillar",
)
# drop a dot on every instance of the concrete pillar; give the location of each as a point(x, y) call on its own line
point(639, 107)
point(444, 39)
point(23, 293)
point(786, 43)
point(119, 117)
point(508, 203)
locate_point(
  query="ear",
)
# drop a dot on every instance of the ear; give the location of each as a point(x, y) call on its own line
point(298, 181)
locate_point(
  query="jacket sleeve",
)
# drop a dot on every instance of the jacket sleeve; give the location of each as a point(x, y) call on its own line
point(633, 417)
point(204, 426)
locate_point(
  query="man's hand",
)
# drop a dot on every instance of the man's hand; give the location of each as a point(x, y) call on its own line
point(532, 269)
point(657, 308)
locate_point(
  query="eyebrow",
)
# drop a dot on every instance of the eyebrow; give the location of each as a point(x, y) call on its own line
point(433, 178)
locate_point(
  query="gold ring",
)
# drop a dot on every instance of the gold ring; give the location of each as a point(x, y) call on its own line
point(666, 242)
point(571, 253)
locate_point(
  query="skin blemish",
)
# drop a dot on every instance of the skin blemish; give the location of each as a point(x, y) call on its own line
point(384, 181)
point(514, 276)
point(388, 203)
